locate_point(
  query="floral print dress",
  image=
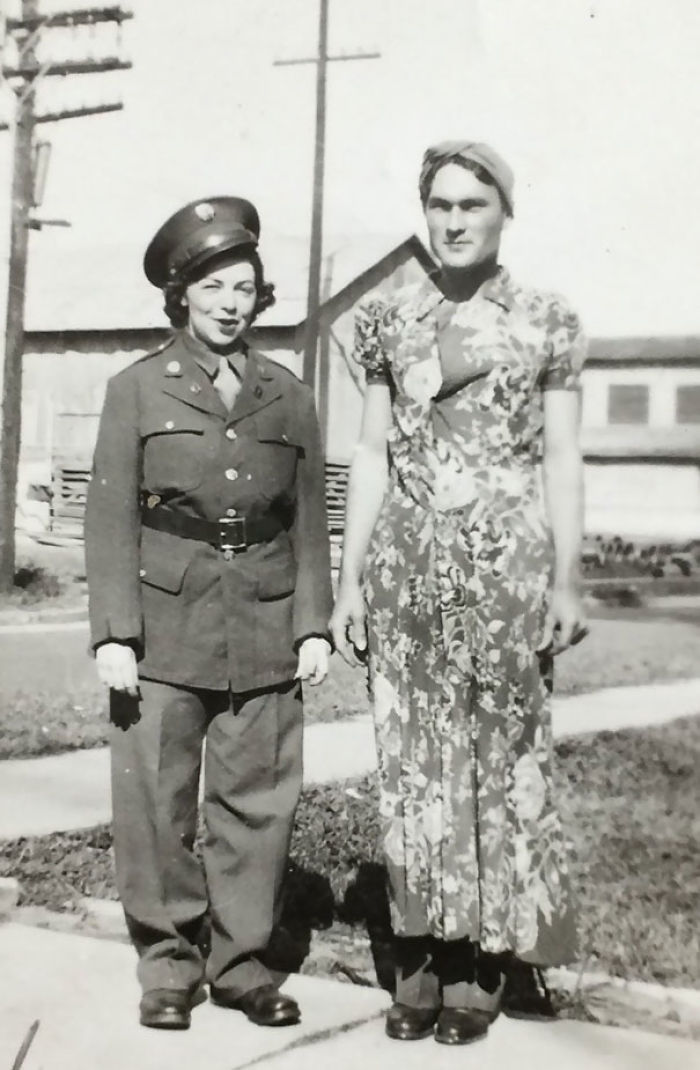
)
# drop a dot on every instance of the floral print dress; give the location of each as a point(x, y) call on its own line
point(456, 582)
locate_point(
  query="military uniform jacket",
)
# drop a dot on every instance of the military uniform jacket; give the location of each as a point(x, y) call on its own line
point(193, 617)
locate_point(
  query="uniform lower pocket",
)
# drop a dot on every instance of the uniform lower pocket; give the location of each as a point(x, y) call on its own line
point(165, 559)
point(277, 580)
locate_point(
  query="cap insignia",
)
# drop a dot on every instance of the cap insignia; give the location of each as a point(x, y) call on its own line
point(205, 211)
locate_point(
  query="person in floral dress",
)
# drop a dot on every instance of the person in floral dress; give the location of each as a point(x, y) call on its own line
point(460, 559)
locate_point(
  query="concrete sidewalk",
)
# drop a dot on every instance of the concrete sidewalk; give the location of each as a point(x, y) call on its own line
point(70, 791)
point(83, 991)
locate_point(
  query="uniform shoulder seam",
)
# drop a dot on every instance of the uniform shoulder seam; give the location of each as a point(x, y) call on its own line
point(126, 373)
point(276, 366)
point(155, 352)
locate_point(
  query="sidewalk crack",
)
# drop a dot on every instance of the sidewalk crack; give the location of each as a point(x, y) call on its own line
point(309, 1040)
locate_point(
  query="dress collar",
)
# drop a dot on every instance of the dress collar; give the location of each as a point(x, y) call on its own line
point(499, 289)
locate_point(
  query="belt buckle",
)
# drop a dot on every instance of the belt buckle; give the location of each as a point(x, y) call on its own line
point(232, 535)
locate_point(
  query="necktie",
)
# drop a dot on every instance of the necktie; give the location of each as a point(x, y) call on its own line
point(226, 383)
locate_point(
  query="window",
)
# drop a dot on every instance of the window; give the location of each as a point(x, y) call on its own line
point(688, 404)
point(628, 403)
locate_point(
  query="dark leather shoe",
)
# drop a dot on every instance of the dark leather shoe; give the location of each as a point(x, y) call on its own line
point(265, 1005)
point(410, 1023)
point(525, 994)
point(461, 1025)
point(166, 1008)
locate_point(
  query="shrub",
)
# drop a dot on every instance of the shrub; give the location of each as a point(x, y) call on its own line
point(631, 806)
point(33, 583)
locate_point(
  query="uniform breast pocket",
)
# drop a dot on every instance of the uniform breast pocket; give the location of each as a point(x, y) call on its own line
point(277, 429)
point(281, 444)
point(174, 456)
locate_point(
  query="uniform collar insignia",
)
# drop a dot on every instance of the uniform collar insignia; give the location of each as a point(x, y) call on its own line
point(186, 380)
point(262, 364)
point(207, 361)
point(259, 387)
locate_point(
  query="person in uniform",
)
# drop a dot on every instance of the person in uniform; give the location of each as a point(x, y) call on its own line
point(209, 575)
point(465, 576)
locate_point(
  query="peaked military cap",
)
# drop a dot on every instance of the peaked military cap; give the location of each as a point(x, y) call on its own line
point(197, 232)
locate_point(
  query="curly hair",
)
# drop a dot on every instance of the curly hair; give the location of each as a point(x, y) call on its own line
point(174, 291)
point(428, 175)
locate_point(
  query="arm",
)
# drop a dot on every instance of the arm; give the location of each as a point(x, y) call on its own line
point(366, 489)
point(562, 471)
point(112, 530)
point(313, 597)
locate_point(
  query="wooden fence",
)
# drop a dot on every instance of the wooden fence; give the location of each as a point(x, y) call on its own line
point(71, 477)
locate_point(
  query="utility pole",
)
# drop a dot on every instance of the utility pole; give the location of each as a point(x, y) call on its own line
point(316, 242)
point(24, 76)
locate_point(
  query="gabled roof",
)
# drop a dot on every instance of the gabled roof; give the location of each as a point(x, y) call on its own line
point(104, 289)
point(665, 349)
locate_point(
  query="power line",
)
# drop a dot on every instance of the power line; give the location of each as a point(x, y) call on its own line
point(25, 75)
point(313, 301)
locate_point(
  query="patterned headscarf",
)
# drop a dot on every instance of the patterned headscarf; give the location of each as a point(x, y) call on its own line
point(477, 152)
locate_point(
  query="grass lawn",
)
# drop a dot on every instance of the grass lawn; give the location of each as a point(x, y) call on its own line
point(617, 652)
point(631, 802)
point(633, 647)
point(636, 647)
point(46, 577)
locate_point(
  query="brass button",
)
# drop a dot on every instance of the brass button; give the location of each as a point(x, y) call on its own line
point(142, 572)
point(231, 473)
point(230, 433)
point(195, 388)
point(231, 512)
point(169, 425)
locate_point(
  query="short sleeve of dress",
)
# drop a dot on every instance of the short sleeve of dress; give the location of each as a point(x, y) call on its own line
point(568, 347)
point(368, 350)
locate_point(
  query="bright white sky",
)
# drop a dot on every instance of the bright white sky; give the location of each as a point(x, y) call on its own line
point(596, 103)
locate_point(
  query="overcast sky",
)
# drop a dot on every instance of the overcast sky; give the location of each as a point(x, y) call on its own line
point(594, 102)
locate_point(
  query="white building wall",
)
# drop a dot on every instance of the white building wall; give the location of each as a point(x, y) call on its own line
point(662, 384)
point(658, 501)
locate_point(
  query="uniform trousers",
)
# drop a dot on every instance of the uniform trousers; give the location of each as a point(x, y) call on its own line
point(252, 780)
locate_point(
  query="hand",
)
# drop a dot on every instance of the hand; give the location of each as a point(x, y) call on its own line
point(565, 624)
point(348, 625)
point(116, 667)
point(313, 660)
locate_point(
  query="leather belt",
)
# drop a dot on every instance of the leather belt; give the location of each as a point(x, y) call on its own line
point(232, 534)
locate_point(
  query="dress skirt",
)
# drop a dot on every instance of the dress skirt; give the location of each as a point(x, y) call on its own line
point(456, 602)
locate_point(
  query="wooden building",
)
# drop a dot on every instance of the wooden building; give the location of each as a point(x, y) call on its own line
point(641, 436)
point(89, 313)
